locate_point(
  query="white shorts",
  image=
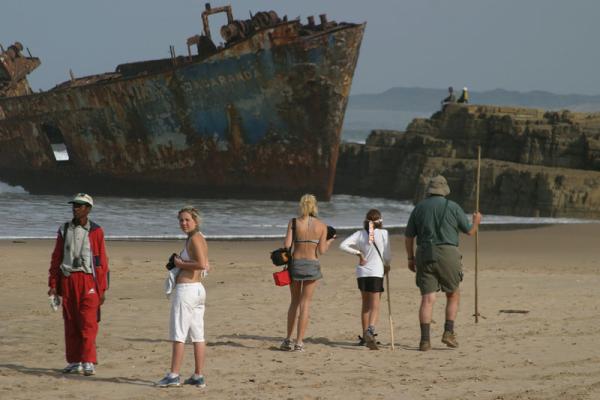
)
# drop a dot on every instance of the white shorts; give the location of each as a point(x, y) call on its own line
point(187, 312)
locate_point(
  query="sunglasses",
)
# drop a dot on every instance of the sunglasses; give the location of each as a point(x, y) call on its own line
point(77, 205)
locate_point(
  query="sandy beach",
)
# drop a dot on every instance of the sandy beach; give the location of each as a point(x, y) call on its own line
point(550, 352)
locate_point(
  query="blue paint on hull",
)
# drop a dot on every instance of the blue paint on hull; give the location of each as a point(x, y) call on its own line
point(220, 123)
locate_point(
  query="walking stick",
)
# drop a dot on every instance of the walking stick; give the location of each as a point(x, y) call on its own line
point(477, 234)
point(389, 301)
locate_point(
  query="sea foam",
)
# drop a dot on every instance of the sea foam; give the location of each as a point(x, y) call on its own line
point(6, 188)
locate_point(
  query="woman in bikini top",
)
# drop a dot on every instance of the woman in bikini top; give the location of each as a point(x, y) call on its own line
point(305, 248)
point(309, 237)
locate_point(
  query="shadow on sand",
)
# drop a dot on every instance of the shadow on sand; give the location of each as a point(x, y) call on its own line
point(230, 340)
point(57, 373)
point(210, 343)
point(277, 339)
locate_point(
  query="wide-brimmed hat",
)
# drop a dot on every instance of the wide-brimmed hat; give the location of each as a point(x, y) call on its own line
point(82, 198)
point(438, 185)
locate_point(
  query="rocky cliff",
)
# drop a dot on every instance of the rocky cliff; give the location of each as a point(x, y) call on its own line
point(534, 162)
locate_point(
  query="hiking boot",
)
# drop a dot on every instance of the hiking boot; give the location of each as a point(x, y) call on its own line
point(168, 381)
point(88, 369)
point(198, 382)
point(73, 368)
point(286, 345)
point(361, 341)
point(449, 339)
point(424, 345)
point(370, 341)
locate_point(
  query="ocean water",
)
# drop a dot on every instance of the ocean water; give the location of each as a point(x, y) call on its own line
point(358, 123)
point(26, 216)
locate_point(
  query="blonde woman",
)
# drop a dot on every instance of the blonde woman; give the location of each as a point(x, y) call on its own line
point(309, 240)
point(187, 301)
point(372, 247)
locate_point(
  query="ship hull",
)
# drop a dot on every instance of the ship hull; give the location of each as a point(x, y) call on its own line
point(259, 119)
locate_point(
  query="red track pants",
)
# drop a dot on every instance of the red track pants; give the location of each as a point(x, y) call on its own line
point(80, 312)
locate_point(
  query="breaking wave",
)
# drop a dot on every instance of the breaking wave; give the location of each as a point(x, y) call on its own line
point(224, 219)
point(6, 188)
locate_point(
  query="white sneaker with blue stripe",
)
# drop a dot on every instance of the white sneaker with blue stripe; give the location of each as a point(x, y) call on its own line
point(169, 381)
point(196, 381)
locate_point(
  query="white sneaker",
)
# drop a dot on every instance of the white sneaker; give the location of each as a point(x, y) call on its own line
point(88, 369)
point(73, 368)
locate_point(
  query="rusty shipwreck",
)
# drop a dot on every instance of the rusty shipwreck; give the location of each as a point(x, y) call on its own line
point(258, 116)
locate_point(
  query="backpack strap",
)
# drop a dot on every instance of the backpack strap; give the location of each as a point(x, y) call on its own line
point(64, 231)
point(290, 249)
point(293, 234)
point(438, 223)
point(378, 252)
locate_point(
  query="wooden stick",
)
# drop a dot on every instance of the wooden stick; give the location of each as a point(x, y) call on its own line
point(477, 234)
point(389, 301)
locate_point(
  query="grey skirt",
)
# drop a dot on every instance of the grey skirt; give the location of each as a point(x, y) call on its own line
point(305, 270)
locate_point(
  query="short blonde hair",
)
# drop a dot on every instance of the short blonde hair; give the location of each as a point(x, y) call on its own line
point(194, 213)
point(308, 206)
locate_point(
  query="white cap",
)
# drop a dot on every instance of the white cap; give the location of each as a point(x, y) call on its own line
point(82, 198)
point(465, 89)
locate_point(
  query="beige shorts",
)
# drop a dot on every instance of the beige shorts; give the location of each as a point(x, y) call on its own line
point(187, 313)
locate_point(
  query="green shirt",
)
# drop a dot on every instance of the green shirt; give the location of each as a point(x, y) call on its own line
point(422, 221)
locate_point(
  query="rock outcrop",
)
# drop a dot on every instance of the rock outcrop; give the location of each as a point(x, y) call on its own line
point(534, 163)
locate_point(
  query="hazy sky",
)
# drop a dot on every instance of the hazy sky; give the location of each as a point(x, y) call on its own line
point(483, 44)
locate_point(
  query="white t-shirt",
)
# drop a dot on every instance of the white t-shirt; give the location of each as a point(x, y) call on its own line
point(359, 241)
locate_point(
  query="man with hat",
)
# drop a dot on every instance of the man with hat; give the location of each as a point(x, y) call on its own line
point(79, 274)
point(450, 98)
point(435, 222)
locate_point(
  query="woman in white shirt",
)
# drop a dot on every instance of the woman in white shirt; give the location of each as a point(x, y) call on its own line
point(372, 247)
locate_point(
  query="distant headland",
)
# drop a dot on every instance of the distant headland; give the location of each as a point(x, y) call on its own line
point(425, 100)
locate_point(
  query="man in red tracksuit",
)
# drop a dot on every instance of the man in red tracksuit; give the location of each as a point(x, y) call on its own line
point(79, 273)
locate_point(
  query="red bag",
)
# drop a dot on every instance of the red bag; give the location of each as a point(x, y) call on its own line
point(282, 278)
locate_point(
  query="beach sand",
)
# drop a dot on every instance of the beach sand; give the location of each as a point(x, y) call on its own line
point(551, 352)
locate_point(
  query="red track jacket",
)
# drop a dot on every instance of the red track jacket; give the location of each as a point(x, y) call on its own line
point(99, 259)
